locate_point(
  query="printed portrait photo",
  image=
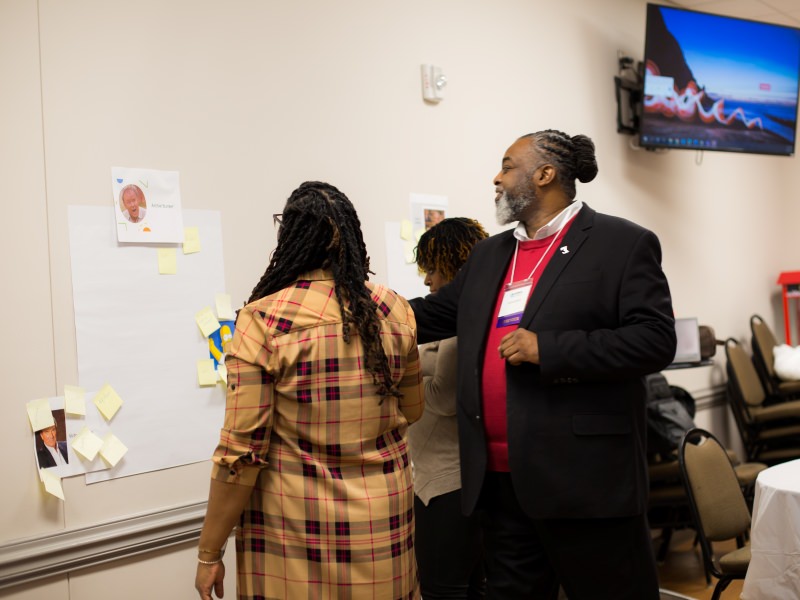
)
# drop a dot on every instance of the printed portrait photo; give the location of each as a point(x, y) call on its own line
point(432, 217)
point(132, 203)
point(51, 443)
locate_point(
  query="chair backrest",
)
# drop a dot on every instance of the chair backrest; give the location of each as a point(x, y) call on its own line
point(763, 342)
point(712, 487)
point(743, 375)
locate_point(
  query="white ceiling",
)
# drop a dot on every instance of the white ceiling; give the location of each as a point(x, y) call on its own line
point(783, 12)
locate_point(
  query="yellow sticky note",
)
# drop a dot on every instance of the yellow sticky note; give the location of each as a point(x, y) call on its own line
point(405, 229)
point(52, 483)
point(113, 450)
point(107, 401)
point(74, 400)
point(206, 375)
point(167, 261)
point(39, 413)
point(86, 443)
point(224, 308)
point(206, 321)
point(191, 240)
point(222, 371)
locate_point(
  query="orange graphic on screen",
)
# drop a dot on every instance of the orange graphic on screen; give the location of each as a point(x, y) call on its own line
point(687, 105)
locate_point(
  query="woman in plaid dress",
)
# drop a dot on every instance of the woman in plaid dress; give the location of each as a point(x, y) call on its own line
point(312, 464)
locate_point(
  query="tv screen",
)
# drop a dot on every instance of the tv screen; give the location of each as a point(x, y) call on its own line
point(719, 83)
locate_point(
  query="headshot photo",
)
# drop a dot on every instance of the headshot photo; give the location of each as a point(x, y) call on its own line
point(132, 203)
point(432, 217)
point(51, 443)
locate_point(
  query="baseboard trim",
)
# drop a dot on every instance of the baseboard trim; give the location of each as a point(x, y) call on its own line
point(709, 398)
point(70, 550)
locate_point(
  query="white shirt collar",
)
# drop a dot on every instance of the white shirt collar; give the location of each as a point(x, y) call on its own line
point(56, 454)
point(555, 224)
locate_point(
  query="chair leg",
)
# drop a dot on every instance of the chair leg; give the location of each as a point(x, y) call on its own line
point(663, 547)
point(705, 567)
point(721, 585)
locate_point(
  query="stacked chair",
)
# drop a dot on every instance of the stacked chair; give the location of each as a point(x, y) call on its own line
point(769, 425)
point(763, 342)
point(668, 507)
point(717, 504)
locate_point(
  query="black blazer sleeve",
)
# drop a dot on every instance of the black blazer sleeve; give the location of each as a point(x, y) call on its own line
point(436, 314)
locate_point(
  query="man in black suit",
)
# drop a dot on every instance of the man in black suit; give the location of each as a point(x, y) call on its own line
point(51, 452)
point(558, 321)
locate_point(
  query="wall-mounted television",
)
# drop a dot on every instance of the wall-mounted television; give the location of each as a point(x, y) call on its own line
point(719, 83)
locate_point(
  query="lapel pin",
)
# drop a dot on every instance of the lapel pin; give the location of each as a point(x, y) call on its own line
point(564, 250)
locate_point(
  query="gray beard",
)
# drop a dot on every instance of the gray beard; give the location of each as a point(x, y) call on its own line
point(508, 210)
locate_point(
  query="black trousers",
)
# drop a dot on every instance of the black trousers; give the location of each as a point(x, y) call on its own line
point(592, 559)
point(449, 550)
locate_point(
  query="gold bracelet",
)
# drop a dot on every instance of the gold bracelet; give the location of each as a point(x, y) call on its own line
point(221, 553)
point(209, 562)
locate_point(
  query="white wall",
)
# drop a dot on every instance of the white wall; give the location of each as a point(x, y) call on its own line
point(27, 359)
point(248, 98)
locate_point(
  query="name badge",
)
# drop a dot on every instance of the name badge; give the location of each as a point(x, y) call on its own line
point(515, 297)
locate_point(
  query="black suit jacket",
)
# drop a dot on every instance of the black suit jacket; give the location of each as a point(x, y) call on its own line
point(46, 460)
point(576, 422)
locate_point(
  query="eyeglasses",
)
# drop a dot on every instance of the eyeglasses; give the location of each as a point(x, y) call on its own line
point(277, 219)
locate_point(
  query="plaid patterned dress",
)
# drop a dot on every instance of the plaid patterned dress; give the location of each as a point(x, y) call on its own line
point(330, 515)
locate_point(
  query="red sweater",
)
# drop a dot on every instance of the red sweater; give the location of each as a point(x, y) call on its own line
point(493, 382)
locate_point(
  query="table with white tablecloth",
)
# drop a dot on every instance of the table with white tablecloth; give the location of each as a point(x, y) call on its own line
point(774, 571)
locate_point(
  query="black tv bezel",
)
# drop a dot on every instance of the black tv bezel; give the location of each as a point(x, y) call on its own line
point(642, 117)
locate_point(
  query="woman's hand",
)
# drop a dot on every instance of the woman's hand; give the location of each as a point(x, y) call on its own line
point(209, 576)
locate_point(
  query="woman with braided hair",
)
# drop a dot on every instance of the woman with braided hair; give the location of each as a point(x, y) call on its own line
point(448, 544)
point(323, 381)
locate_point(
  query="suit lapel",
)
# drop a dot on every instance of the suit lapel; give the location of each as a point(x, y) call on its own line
point(477, 308)
point(573, 240)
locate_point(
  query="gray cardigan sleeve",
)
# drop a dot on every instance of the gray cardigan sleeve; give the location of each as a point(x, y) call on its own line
point(439, 365)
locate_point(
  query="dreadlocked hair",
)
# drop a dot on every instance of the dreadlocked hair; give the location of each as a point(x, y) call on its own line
point(320, 229)
point(573, 157)
point(444, 248)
